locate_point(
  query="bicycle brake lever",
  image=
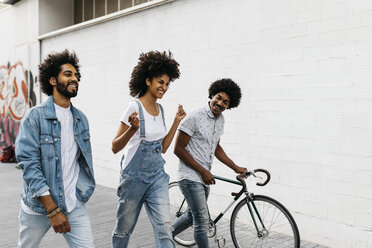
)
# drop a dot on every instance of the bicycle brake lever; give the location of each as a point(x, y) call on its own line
point(251, 173)
point(258, 177)
point(254, 174)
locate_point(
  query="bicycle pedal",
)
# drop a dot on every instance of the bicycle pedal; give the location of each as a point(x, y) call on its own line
point(221, 242)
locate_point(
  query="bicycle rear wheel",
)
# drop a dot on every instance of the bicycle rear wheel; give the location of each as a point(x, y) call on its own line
point(178, 206)
point(279, 229)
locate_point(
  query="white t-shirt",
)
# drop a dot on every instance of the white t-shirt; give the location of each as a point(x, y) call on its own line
point(154, 130)
point(70, 153)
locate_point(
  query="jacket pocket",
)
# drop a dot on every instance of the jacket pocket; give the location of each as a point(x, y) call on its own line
point(47, 146)
point(85, 136)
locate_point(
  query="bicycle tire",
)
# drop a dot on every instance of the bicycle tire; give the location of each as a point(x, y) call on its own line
point(281, 227)
point(176, 199)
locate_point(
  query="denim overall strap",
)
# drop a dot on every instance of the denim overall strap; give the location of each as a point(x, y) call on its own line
point(162, 115)
point(142, 119)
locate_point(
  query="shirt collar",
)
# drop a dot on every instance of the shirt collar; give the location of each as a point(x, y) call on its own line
point(210, 113)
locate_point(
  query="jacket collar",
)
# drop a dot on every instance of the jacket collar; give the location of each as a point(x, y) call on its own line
point(50, 112)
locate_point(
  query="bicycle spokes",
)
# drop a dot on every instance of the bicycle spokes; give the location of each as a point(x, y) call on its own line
point(260, 221)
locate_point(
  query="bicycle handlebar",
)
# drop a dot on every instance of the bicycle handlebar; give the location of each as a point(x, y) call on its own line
point(268, 177)
point(241, 178)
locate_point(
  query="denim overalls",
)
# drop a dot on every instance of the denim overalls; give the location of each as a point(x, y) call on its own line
point(144, 181)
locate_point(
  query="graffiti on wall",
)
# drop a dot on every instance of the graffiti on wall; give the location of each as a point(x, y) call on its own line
point(16, 97)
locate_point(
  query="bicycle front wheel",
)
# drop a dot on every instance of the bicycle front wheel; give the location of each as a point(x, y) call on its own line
point(277, 228)
point(178, 206)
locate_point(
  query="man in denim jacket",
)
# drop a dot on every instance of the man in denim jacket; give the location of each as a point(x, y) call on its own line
point(53, 149)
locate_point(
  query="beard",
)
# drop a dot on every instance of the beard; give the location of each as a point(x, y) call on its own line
point(62, 89)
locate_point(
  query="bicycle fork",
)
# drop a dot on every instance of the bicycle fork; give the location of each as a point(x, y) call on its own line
point(260, 233)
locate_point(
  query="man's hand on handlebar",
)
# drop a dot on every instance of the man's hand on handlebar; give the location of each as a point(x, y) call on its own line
point(240, 170)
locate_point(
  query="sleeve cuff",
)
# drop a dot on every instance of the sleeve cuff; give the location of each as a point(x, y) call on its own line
point(185, 130)
point(45, 193)
point(41, 192)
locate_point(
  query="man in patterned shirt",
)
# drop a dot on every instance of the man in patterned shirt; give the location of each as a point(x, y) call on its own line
point(198, 141)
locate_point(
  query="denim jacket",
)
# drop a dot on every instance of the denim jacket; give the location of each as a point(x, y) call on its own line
point(38, 151)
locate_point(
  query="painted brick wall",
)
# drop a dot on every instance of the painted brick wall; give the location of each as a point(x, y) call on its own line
point(305, 68)
point(19, 57)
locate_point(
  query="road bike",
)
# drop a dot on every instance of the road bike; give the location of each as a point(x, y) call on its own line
point(256, 221)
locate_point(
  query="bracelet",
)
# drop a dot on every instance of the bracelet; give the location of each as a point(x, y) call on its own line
point(54, 212)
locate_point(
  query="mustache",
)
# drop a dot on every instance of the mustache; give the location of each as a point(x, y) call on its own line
point(73, 83)
point(218, 106)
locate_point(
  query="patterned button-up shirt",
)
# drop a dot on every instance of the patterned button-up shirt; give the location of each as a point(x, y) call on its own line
point(205, 131)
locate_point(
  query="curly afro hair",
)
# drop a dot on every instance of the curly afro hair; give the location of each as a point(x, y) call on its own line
point(230, 88)
point(51, 67)
point(152, 64)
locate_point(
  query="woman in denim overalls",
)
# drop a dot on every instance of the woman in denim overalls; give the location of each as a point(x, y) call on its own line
point(143, 180)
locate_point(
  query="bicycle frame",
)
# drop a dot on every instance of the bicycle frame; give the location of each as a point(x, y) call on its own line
point(236, 197)
point(260, 208)
point(248, 201)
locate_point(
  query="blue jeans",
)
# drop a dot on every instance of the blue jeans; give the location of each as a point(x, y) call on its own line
point(34, 227)
point(196, 195)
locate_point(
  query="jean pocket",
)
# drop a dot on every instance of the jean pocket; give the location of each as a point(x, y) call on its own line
point(124, 181)
point(151, 159)
point(147, 160)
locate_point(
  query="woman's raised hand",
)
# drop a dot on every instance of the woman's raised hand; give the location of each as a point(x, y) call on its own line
point(180, 113)
point(133, 120)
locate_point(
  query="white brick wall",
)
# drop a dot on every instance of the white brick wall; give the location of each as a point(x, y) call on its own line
point(19, 31)
point(305, 68)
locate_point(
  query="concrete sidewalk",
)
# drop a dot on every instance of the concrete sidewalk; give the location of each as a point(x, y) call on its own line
point(101, 208)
